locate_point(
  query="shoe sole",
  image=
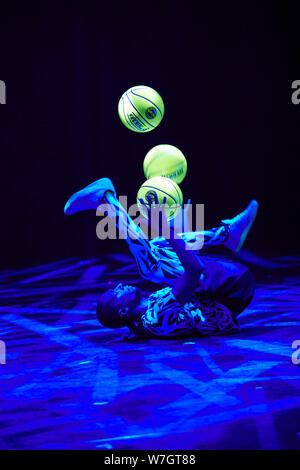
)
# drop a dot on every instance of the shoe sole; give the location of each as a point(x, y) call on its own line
point(247, 229)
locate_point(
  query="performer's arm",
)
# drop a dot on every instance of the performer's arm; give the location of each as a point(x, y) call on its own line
point(189, 281)
point(185, 286)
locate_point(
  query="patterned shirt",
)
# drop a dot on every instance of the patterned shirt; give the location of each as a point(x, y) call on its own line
point(166, 317)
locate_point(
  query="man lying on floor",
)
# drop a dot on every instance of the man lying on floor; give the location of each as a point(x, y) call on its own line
point(203, 295)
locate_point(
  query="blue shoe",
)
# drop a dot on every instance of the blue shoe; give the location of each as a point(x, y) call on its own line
point(239, 227)
point(89, 197)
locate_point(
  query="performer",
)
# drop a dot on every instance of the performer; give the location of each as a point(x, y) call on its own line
point(205, 293)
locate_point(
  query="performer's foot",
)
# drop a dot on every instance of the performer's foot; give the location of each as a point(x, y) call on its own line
point(89, 197)
point(239, 226)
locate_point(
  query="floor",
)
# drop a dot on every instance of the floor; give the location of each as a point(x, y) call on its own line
point(68, 383)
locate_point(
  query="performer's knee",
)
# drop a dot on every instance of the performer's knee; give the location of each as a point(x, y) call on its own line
point(243, 292)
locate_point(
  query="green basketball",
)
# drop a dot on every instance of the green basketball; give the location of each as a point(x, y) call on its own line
point(141, 108)
point(163, 187)
point(165, 160)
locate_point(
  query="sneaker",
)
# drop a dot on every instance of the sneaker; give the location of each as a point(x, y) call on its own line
point(89, 197)
point(239, 227)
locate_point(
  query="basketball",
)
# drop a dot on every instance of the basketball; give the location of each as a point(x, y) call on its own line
point(165, 160)
point(163, 187)
point(141, 108)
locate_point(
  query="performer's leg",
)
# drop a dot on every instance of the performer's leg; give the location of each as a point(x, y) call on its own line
point(229, 282)
point(170, 268)
point(145, 255)
point(207, 238)
point(231, 233)
point(156, 260)
point(102, 191)
point(239, 294)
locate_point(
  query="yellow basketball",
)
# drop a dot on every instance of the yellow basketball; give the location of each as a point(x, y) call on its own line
point(163, 187)
point(165, 160)
point(141, 108)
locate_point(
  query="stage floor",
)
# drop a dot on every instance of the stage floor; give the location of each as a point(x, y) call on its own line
point(69, 383)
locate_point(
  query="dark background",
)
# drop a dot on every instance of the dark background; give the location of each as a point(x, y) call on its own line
point(225, 74)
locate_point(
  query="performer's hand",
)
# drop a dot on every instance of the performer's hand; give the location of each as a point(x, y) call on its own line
point(155, 215)
point(181, 222)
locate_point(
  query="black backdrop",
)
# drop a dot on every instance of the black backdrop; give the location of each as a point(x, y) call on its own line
point(225, 75)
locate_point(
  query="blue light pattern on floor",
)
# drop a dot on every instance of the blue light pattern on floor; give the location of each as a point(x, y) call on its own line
point(69, 383)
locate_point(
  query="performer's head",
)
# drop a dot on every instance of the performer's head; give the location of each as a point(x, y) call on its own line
point(118, 307)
